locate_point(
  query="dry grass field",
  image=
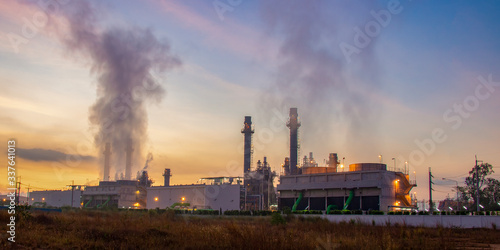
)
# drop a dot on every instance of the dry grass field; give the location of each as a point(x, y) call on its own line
point(153, 230)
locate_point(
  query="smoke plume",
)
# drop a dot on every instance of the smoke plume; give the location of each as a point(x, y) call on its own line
point(126, 62)
point(313, 74)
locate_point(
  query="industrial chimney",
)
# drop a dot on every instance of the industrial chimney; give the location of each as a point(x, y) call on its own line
point(107, 154)
point(286, 166)
point(333, 161)
point(166, 177)
point(128, 162)
point(293, 124)
point(247, 131)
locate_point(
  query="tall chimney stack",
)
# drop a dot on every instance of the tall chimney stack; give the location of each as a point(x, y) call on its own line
point(247, 131)
point(166, 177)
point(128, 162)
point(293, 124)
point(107, 154)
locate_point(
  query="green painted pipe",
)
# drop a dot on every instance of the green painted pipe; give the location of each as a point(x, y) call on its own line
point(86, 204)
point(294, 208)
point(351, 194)
point(105, 203)
point(329, 208)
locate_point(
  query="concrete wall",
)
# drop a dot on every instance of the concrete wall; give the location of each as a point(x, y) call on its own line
point(163, 197)
point(56, 198)
point(461, 221)
point(225, 197)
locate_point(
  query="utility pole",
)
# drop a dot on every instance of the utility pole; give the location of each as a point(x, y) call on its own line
point(431, 209)
point(477, 184)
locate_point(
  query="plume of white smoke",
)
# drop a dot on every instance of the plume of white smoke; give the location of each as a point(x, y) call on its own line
point(125, 61)
point(313, 74)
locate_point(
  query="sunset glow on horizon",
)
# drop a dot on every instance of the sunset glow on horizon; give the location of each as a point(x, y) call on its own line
point(384, 81)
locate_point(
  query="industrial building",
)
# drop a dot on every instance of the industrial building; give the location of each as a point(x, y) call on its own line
point(365, 186)
point(259, 191)
point(215, 193)
point(305, 185)
point(220, 195)
point(56, 198)
point(120, 194)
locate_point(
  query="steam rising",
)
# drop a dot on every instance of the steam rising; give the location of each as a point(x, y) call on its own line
point(125, 61)
point(313, 74)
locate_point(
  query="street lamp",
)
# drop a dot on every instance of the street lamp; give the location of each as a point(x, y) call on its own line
point(380, 157)
point(445, 179)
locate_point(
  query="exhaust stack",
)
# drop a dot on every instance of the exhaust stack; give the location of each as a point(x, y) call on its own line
point(247, 131)
point(107, 154)
point(128, 162)
point(333, 161)
point(166, 177)
point(293, 124)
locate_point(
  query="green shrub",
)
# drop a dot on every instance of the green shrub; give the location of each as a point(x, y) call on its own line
point(287, 210)
point(376, 212)
point(335, 211)
point(277, 219)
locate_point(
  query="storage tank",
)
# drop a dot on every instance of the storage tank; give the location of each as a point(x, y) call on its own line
point(367, 167)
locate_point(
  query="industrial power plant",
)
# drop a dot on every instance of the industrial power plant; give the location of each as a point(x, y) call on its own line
point(301, 185)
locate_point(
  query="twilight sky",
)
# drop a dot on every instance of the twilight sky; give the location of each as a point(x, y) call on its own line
point(418, 81)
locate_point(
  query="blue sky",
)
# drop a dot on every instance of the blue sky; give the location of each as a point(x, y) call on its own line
point(261, 59)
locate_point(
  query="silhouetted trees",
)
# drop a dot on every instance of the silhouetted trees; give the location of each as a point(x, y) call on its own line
point(489, 188)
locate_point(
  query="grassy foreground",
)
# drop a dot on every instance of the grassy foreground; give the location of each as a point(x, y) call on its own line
point(150, 230)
